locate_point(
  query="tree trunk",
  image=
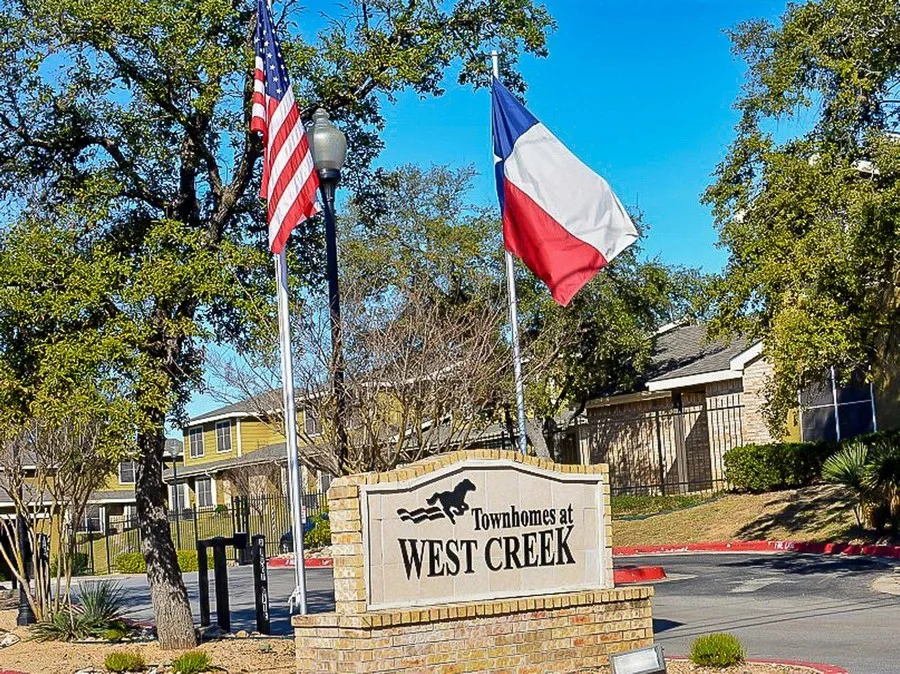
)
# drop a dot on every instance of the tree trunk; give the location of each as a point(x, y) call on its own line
point(171, 608)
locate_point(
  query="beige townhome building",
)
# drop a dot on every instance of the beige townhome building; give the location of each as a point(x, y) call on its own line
point(699, 399)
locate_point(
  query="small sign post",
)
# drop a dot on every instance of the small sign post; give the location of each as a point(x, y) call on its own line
point(261, 584)
point(203, 582)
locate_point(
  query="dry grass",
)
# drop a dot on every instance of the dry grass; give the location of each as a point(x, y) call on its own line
point(275, 656)
point(819, 513)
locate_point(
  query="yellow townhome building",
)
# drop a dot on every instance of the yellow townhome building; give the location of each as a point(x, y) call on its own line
point(234, 451)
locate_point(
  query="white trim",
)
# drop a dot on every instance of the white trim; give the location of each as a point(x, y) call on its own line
point(692, 380)
point(219, 417)
point(739, 362)
point(214, 490)
point(668, 327)
point(237, 432)
point(218, 425)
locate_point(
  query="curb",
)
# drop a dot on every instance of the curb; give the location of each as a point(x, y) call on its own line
point(637, 574)
point(888, 551)
point(816, 666)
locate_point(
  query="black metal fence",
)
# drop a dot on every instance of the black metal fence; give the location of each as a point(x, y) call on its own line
point(658, 451)
point(100, 544)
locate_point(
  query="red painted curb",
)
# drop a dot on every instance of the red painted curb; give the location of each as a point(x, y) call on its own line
point(890, 551)
point(637, 574)
point(817, 666)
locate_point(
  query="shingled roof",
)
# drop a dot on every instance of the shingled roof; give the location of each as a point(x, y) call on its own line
point(685, 350)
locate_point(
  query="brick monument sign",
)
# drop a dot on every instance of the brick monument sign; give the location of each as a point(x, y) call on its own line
point(473, 561)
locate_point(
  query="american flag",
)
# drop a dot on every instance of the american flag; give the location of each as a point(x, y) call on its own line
point(289, 179)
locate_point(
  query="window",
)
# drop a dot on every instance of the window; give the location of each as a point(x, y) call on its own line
point(204, 491)
point(176, 497)
point(223, 436)
point(311, 422)
point(196, 437)
point(126, 472)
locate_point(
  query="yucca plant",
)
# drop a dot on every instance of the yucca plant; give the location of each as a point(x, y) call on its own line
point(882, 477)
point(64, 625)
point(101, 603)
point(849, 468)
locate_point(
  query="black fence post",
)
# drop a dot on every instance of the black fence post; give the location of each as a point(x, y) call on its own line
point(261, 584)
point(177, 512)
point(662, 456)
point(220, 571)
point(203, 581)
point(106, 540)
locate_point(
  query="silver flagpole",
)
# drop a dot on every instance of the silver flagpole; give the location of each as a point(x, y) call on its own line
point(298, 597)
point(514, 318)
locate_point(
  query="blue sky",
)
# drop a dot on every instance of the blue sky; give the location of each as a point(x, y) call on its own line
point(641, 90)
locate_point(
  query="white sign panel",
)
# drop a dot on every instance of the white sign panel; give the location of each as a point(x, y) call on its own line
point(482, 529)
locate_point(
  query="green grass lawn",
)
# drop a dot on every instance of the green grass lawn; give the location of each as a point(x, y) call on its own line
point(631, 507)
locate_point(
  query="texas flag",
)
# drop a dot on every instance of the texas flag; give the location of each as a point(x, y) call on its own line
point(559, 217)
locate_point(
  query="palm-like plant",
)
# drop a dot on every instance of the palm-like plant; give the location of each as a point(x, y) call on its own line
point(849, 468)
point(882, 476)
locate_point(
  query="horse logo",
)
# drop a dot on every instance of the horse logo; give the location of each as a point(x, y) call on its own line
point(449, 504)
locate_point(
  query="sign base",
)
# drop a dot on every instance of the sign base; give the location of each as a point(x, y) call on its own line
point(559, 633)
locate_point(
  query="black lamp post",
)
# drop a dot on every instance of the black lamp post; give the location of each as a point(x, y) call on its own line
point(25, 616)
point(329, 150)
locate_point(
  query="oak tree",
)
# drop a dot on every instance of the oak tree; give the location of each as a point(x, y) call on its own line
point(129, 178)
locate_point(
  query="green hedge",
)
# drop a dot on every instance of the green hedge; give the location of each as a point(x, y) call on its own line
point(779, 465)
point(320, 535)
point(133, 562)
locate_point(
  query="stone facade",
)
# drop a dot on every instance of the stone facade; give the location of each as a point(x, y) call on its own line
point(559, 633)
point(556, 632)
point(756, 374)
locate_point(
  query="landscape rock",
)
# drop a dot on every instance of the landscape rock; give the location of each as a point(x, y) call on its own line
point(242, 634)
point(8, 639)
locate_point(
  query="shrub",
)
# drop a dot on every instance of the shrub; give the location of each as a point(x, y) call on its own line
point(717, 650)
point(131, 562)
point(848, 467)
point(124, 661)
point(101, 603)
point(187, 560)
point(779, 465)
point(64, 625)
point(191, 662)
point(320, 534)
point(81, 564)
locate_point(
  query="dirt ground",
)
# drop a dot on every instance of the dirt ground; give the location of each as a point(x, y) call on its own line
point(685, 667)
point(274, 655)
point(821, 513)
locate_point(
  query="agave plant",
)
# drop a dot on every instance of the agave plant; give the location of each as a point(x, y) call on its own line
point(849, 467)
point(101, 603)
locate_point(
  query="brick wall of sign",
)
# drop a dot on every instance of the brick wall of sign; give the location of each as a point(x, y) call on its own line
point(560, 633)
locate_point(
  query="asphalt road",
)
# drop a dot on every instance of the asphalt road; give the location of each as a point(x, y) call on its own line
point(801, 607)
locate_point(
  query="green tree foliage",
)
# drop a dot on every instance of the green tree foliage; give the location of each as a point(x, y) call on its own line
point(418, 228)
point(806, 200)
point(132, 233)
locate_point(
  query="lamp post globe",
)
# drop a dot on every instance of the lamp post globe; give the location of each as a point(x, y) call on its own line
point(329, 147)
point(329, 150)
